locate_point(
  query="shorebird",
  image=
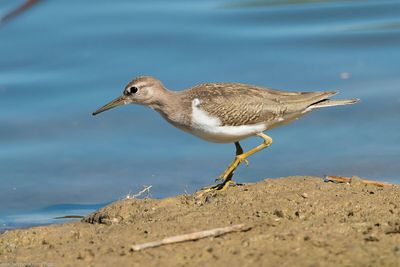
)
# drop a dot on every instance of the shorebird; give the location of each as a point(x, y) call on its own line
point(224, 112)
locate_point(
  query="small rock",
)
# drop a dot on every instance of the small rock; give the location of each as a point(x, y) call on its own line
point(234, 251)
point(371, 239)
point(209, 249)
point(304, 195)
point(279, 213)
point(356, 181)
point(350, 214)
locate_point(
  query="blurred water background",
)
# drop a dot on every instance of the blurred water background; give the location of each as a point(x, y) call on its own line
point(61, 60)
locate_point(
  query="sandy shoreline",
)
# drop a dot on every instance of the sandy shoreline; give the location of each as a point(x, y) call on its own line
point(293, 221)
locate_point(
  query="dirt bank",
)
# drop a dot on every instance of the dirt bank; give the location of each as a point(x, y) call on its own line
point(294, 221)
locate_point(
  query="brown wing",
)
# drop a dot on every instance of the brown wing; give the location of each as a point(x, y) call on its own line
point(241, 104)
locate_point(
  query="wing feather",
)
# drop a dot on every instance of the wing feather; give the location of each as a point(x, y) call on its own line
point(241, 104)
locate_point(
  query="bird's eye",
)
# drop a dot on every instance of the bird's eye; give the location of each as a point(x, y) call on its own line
point(132, 90)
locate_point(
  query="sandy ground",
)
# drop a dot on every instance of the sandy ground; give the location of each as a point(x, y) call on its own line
point(293, 221)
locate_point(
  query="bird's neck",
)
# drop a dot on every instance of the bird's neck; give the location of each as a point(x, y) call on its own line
point(163, 100)
point(169, 106)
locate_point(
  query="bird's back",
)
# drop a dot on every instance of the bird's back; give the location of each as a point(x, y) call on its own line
point(242, 104)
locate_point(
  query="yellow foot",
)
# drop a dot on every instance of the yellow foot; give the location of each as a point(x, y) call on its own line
point(221, 186)
point(215, 188)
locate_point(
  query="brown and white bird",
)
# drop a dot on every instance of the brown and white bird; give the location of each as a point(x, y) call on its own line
point(224, 112)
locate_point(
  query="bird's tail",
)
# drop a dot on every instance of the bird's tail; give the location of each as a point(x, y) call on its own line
point(332, 102)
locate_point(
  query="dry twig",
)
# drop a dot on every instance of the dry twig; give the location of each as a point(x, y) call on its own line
point(146, 189)
point(340, 179)
point(25, 6)
point(191, 236)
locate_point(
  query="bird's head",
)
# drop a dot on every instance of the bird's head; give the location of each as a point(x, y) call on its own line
point(144, 90)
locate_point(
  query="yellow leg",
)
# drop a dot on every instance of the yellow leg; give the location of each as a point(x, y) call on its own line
point(226, 176)
point(243, 157)
point(239, 151)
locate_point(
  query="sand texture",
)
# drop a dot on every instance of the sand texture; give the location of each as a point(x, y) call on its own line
point(292, 221)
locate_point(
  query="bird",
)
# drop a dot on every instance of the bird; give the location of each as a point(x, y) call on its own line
point(225, 112)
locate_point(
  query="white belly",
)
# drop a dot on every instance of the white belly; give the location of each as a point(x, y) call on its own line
point(226, 134)
point(210, 129)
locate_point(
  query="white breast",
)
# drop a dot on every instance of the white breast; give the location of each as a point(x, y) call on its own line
point(209, 128)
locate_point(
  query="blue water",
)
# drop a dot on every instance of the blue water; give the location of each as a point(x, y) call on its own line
point(61, 60)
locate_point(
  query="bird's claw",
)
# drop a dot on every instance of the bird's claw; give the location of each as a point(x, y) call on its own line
point(246, 162)
point(240, 159)
point(220, 178)
point(218, 187)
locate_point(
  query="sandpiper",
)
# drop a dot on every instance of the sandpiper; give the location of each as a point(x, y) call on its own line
point(224, 112)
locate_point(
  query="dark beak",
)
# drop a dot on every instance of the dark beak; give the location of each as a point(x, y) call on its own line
point(115, 103)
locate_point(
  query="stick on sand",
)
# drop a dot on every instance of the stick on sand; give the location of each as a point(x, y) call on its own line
point(340, 179)
point(191, 236)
